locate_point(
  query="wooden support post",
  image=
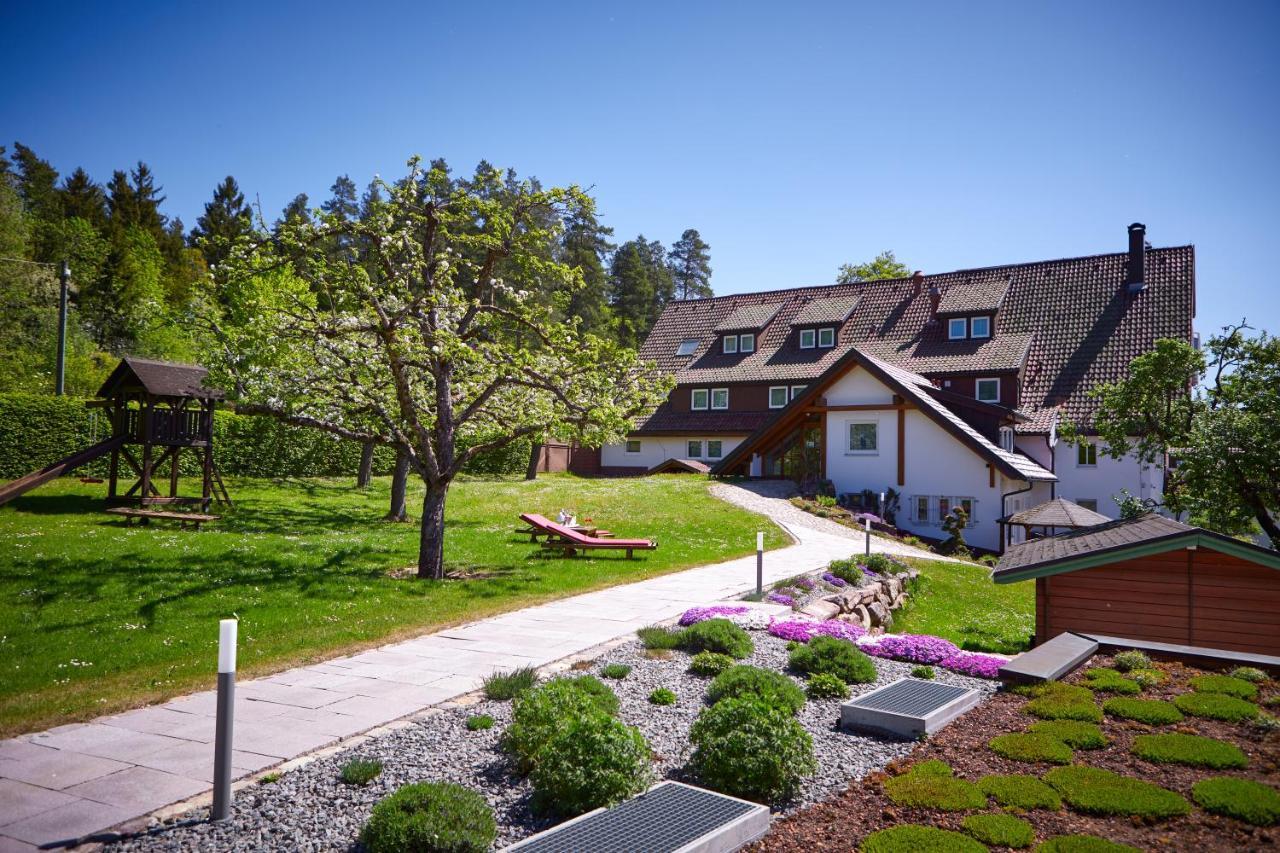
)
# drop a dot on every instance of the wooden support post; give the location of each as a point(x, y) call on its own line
point(173, 472)
point(902, 446)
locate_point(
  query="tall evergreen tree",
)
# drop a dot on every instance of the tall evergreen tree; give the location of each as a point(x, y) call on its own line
point(664, 283)
point(690, 259)
point(631, 292)
point(295, 211)
point(225, 218)
point(37, 184)
point(134, 200)
point(82, 197)
point(342, 199)
point(583, 246)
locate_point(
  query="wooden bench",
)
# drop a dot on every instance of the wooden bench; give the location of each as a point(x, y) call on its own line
point(144, 516)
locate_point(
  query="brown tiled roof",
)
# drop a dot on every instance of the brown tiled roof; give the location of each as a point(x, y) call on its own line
point(1068, 325)
point(666, 419)
point(976, 295)
point(1058, 512)
point(751, 316)
point(835, 309)
point(160, 378)
point(675, 466)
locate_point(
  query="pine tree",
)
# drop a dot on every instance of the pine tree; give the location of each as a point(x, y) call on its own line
point(342, 199)
point(631, 293)
point(583, 246)
point(225, 218)
point(690, 259)
point(37, 184)
point(295, 211)
point(82, 197)
point(134, 200)
point(663, 282)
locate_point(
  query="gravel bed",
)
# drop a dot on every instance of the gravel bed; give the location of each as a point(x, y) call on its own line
point(310, 809)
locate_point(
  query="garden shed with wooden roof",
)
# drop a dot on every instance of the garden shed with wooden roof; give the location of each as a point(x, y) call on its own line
point(1152, 579)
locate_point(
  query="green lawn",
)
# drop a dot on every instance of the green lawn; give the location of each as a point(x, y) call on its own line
point(960, 602)
point(97, 617)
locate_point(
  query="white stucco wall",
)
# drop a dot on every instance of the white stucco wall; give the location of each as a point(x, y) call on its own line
point(1105, 480)
point(655, 449)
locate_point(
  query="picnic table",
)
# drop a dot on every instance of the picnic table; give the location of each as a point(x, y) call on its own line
point(144, 516)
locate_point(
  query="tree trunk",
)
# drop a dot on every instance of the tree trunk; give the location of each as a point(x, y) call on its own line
point(366, 465)
point(399, 481)
point(431, 545)
point(535, 457)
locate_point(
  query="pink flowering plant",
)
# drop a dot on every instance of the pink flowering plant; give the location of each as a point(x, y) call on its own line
point(781, 598)
point(934, 651)
point(802, 630)
point(719, 611)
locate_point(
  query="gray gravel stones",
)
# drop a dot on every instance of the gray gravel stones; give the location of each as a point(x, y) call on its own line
point(309, 809)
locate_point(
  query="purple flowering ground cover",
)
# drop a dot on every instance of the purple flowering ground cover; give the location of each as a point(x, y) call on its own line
point(701, 614)
point(802, 631)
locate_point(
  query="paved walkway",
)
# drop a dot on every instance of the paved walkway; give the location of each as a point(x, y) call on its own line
point(75, 780)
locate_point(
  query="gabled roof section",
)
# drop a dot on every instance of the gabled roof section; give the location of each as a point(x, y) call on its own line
point(1114, 541)
point(749, 318)
point(680, 466)
point(1058, 512)
point(977, 295)
point(913, 388)
point(160, 379)
point(833, 309)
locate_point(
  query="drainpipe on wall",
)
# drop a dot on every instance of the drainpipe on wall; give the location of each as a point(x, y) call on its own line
point(1053, 467)
point(1004, 509)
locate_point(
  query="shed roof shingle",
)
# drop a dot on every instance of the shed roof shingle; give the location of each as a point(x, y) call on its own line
point(752, 316)
point(1058, 512)
point(161, 378)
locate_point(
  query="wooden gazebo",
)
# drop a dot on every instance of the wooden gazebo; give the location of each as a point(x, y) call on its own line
point(161, 408)
point(1056, 516)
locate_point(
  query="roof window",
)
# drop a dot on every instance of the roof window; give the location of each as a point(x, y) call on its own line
point(687, 346)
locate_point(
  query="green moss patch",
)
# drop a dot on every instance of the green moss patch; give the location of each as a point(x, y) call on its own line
point(1251, 802)
point(1018, 791)
point(1002, 830)
point(1057, 701)
point(1073, 733)
point(1192, 750)
point(1083, 844)
point(1155, 712)
point(1101, 792)
point(1031, 746)
point(1148, 677)
point(1106, 680)
point(913, 838)
point(931, 785)
point(1216, 706)
point(1236, 687)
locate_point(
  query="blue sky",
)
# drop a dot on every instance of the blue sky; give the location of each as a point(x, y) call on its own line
point(793, 136)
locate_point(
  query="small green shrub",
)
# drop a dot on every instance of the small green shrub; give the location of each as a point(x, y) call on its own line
point(430, 817)
point(1017, 791)
point(922, 672)
point(1192, 750)
point(883, 564)
point(837, 657)
point(479, 723)
point(1249, 673)
point(1026, 746)
point(360, 771)
point(824, 685)
point(1083, 844)
point(1073, 733)
point(1130, 660)
point(748, 749)
point(1153, 712)
point(509, 685)
point(1054, 700)
point(772, 688)
point(1101, 792)
point(542, 712)
point(1216, 706)
point(931, 785)
point(1146, 678)
point(592, 762)
point(847, 570)
point(717, 635)
point(1002, 830)
point(913, 838)
point(660, 637)
point(709, 663)
point(662, 696)
point(270, 778)
point(616, 671)
point(1105, 680)
point(1251, 802)
point(1226, 685)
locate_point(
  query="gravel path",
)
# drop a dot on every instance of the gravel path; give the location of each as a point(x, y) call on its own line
point(769, 498)
point(309, 809)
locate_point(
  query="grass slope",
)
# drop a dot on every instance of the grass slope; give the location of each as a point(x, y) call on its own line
point(960, 602)
point(97, 617)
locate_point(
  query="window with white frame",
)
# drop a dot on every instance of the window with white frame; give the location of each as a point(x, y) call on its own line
point(777, 396)
point(980, 327)
point(719, 398)
point(826, 337)
point(864, 436)
point(932, 509)
point(747, 342)
point(730, 344)
point(1087, 454)
point(957, 327)
point(797, 390)
point(987, 390)
point(687, 346)
point(922, 508)
point(1006, 438)
point(807, 338)
point(715, 449)
point(633, 445)
point(694, 448)
point(698, 398)
point(1088, 503)
point(944, 508)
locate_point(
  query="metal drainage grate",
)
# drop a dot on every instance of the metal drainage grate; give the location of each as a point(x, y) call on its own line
point(908, 707)
point(668, 818)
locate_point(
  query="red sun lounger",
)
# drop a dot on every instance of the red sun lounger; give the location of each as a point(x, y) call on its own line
point(571, 541)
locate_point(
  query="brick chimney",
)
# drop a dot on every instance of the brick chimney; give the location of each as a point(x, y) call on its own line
point(1135, 268)
point(935, 297)
point(917, 282)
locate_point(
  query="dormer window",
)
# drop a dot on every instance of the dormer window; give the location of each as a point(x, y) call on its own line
point(687, 347)
point(808, 337)
point(698, 399)
point(730, 343)
point(1006, 439)
point(826, 337)
point(987, 390)
point(980, 327)
point(747, 342)
point(957, 328)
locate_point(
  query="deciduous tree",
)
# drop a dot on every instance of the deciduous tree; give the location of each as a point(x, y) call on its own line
point(883, 265)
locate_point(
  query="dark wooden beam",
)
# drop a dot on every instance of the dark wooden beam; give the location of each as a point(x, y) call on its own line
point(902, 446)
point(860, 407)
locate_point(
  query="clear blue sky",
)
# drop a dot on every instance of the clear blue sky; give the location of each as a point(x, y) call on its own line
point(793, 136)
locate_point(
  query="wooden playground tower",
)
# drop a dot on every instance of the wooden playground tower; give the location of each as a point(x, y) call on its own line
point(160, 409)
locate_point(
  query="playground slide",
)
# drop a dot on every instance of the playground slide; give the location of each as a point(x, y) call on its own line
point(22, 485)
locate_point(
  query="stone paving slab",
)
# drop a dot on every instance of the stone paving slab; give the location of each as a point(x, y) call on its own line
point(79, 779)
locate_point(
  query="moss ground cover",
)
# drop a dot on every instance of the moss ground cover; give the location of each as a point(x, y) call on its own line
point(304, 564)
point(931, 784)
point(1251, 802)
point(913, 838)
point(1101, 792)
point(1018, 791)
point(1057, 701)
point(1155, 712)
point(1073, 733)
point(1106, 680)
point(1216, 706)
point(1214, 683)
point(1191, 750)
point(1083, 844)
point(1031, 746)
point(1001, 830)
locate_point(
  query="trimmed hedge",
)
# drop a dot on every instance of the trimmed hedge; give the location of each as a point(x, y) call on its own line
point(36, 430)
